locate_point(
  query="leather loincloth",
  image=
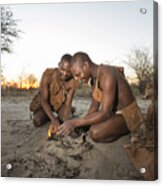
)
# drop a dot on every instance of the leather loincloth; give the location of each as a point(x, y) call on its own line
point(132, 115)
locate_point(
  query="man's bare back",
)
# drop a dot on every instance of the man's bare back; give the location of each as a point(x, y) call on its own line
point(123, 93)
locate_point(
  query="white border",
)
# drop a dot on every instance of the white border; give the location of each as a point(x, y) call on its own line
point(68, 182)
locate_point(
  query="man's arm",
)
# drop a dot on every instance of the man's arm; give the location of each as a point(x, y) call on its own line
point(67, 107)
point(94, 106)
point(45, 99)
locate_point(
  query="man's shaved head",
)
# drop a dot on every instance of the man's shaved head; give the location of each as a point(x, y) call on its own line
point(80, 66)
point(79, 58)
point(64, 67)
point(66, 57)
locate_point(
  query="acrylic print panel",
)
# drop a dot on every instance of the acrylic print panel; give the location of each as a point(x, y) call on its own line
point(79, 90)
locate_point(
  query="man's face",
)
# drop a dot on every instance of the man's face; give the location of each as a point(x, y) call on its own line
point(64, 70)
point(80, 73)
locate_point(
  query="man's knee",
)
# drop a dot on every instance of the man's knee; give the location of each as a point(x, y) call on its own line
point(94, 134)
point(97, 136)
point(37, 121)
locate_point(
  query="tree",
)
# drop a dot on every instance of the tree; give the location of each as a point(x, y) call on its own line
point(9, 30)
point(21, 78)
point(31, 80)
point(3, 79)
point(140, 61)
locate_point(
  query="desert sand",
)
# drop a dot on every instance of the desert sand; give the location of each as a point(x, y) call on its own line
point(30, 154)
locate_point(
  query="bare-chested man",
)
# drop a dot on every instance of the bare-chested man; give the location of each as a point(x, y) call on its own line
point(56, 92)
point(113, 111)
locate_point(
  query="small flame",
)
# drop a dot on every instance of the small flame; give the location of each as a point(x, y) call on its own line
point(52, 130)
point(49, 133)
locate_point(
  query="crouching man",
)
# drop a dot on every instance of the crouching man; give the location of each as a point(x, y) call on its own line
point(56, 92)
point(113, 111)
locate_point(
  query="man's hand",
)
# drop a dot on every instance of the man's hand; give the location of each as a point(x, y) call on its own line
point(66, 128)
point(53, 128)
point(55, 122)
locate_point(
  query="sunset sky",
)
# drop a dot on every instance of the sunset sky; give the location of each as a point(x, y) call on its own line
point(107, 31)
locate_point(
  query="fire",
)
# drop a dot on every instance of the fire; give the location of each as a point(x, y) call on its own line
point(52, 130)
point(49, 133)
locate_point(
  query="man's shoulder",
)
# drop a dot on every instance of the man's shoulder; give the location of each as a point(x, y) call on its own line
point(49, 71)
point(105, 67)
point(107, 74)
point(47, 74)
point(106, 70)
point(109, 69)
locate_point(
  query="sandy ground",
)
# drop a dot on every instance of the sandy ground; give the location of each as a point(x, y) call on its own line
point(32, 155)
